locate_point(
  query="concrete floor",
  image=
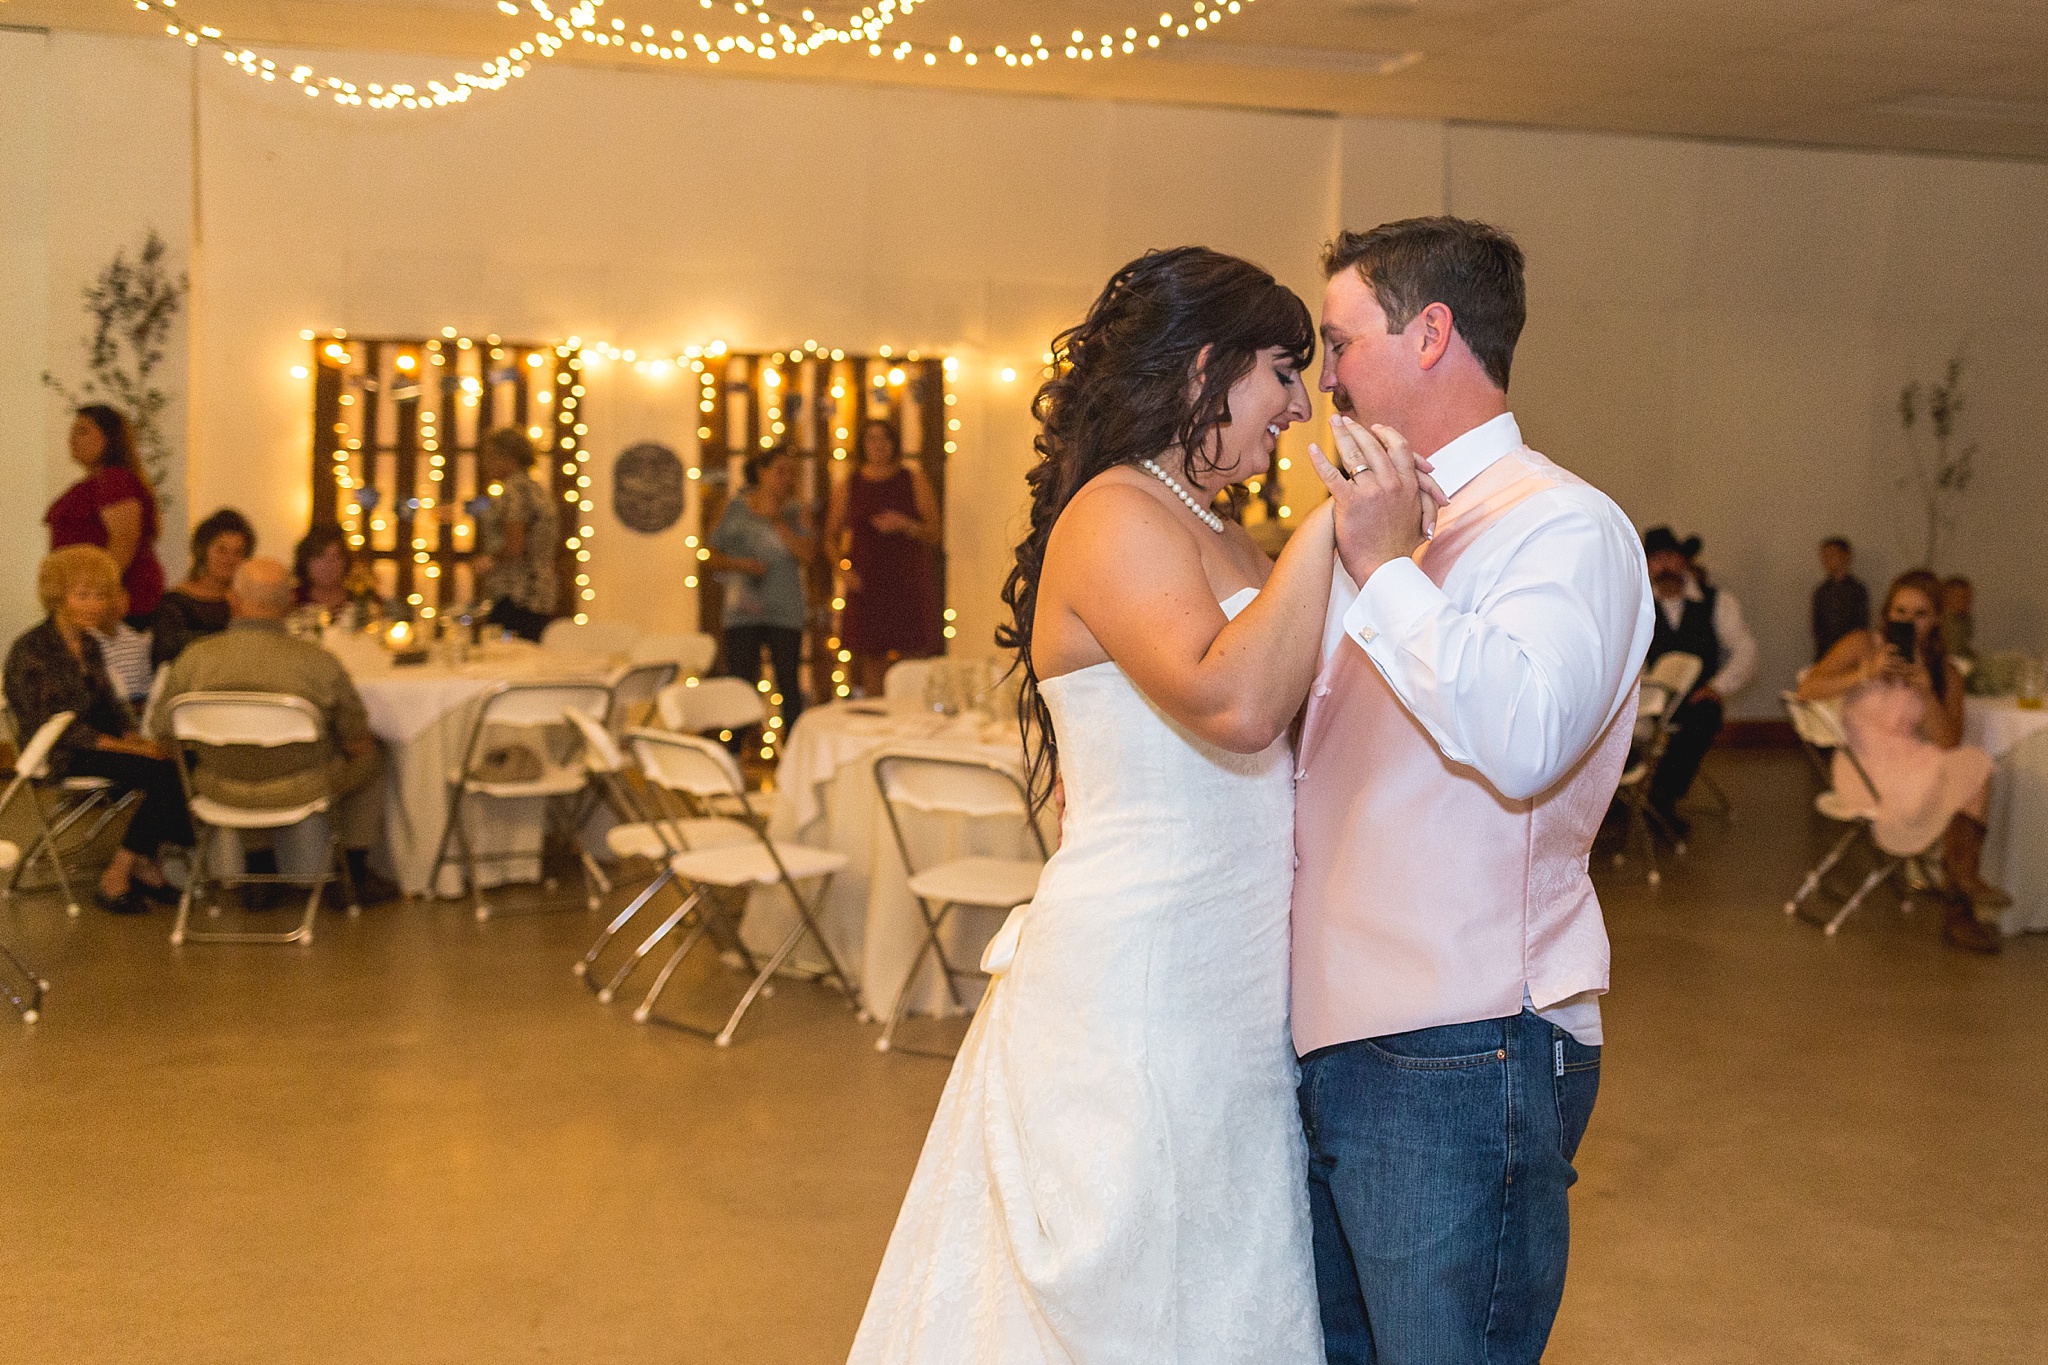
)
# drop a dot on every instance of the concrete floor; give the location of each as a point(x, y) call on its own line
point(421, 1140)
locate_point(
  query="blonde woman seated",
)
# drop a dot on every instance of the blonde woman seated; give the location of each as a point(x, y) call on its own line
point(1902, 710)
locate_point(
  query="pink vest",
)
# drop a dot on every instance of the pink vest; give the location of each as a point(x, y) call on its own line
point(1422, 896)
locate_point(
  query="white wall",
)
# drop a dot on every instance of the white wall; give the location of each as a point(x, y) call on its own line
point(1718, 332)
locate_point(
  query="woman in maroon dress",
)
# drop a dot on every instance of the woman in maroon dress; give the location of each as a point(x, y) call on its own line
point(883, 522)
point(111, 507)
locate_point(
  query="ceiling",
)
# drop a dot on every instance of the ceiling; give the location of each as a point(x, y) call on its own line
point(1957, 76)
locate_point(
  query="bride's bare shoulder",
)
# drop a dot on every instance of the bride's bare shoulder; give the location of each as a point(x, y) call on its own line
point(1119, 500)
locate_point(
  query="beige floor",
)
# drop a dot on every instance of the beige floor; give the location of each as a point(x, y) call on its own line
point(421, 1141)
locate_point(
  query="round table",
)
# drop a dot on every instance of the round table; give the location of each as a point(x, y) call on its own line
point(423, 714)
point(2016, 839)
point(825, 796)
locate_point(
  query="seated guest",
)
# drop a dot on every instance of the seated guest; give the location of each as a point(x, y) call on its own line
point(255, 654)
point(199, 605)
point(321, 565)
point(1902, 709)
point(515, 532)
point(1958, 629)
point(1841, 603)
point(1707, 622)
point(56, 667)
point(125, 652)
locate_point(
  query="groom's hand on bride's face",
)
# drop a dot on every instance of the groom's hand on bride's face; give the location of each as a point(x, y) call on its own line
point(1387, 506)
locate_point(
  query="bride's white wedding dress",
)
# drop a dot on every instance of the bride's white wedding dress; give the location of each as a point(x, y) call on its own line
point(1116, 1171)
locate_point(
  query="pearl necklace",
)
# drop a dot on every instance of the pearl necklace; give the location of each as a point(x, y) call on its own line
point(1209, 518)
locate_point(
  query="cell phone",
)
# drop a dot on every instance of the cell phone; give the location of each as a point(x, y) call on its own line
point(1900, 636)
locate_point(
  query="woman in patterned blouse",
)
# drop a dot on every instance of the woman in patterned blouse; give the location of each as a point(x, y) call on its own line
point(515, 531)
point(56, 667)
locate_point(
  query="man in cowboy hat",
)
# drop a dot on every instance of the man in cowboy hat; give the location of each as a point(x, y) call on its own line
point(1693, 618)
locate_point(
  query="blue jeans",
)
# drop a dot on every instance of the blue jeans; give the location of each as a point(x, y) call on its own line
point(1438, 1165)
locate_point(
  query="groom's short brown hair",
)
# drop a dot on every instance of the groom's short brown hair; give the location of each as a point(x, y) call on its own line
point(1474, 269)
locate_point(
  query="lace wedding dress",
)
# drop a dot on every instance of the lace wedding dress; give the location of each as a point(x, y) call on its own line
point(1116, 1172)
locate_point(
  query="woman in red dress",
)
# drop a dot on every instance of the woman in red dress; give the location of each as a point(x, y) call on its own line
point(111, 507)
point(883, 522)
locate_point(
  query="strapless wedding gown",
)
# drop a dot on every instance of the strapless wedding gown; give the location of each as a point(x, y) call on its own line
point(1116, 1172)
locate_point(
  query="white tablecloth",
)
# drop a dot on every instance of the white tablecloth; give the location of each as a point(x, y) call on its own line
point(825, 797)
point(2016, 844)
point(423, 713)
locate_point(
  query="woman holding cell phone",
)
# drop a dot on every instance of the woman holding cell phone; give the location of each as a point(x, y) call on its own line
point(1902, 710)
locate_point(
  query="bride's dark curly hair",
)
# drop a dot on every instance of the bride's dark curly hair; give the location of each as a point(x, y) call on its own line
point(1120, 393)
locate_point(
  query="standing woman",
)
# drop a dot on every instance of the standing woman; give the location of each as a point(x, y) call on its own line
point(199, 605)
point(112, 507)
point(56, 667)
point(515, 531)
point(884, 520)
point(760, 547)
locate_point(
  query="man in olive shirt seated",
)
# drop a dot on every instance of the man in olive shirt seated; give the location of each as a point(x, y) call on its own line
point(255, 654)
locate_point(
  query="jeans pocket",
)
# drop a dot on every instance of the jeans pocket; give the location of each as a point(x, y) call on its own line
point(1449, 1047)
point(1577, 1083)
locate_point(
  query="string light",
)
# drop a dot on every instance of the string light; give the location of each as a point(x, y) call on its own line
point(776, 33)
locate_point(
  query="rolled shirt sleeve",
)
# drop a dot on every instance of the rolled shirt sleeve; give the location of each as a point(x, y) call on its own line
point(1738, 646)
point(1519, 687)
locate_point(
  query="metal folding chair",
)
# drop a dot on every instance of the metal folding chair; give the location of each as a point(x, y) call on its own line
point(28, 1000)
point(721, 707)
point(212, 721)
point(77, 797)
point(1816, 724)
point(1654, 704)
point(655, 835)
point(931, 784)
point(702, 770)
point(534, 709)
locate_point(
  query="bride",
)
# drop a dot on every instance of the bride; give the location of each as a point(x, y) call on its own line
point(1116, 1170)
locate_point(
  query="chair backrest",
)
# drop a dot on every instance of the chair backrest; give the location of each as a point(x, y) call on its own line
point(1655, 705)
point(1678, 671)
point(155, 699)
point(634, 688)
point(963, 786)
point(34, 758)
point(905, 680)
point(592, 637)
point(265, 720)
point(695, 705)
point(1819, 727)
point(600, 750)
point(691, 653)
point(686, 763)
point(542, 703)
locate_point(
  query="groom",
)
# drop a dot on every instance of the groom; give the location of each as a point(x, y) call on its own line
point(1462, 743)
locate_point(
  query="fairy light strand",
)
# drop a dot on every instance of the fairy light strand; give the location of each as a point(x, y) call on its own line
point(777, 34)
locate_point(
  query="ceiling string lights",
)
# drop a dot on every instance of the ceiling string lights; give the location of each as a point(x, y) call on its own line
point(774, 34)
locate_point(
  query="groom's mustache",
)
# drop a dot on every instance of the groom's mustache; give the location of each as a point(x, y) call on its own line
point(1341, 400)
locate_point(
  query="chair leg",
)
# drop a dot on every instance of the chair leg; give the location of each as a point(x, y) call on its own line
point(194, 883)
point(305, 933)
point(647, 945)
point(348, 881)
point(810, 925)
point(1884, 869)
point(481, 906)
point(30, 1004)
point(896, 1009)
point(441, 849)
point(668, 969)
point(1821, 869)
point(647, 893)
point(46, 843)
point(774, 964)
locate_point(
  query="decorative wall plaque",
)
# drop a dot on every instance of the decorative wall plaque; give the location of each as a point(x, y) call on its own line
point(647, 488)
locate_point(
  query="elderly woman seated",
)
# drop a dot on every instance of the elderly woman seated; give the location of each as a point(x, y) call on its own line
point(56, 667)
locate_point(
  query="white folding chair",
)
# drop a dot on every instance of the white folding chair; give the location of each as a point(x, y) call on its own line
point(1654, 704)
point(592, 637)
point(1679, 672)
point(906, 679)
point(721, 707)
point(77, 797)
point(635, 687)
point(212, 721)
point(533, 710)
point(692, 654)
point(703, 771)
point(931, 784)
point(655, 835)
point(1856, 808)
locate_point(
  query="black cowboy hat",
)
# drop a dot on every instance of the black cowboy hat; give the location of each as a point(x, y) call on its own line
point(1664, 538)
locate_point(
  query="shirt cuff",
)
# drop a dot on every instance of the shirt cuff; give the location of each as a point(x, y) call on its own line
point(1393, 602)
